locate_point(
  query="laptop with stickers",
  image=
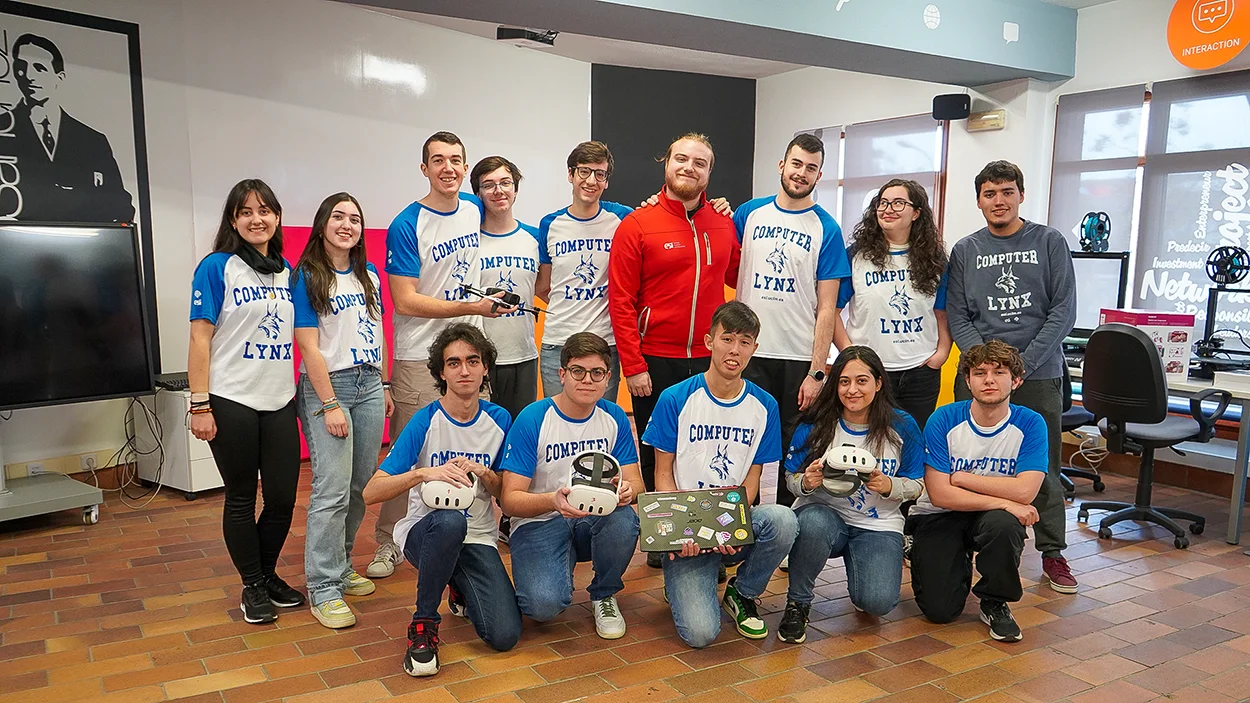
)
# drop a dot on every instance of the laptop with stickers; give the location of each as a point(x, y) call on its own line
point(708, 517)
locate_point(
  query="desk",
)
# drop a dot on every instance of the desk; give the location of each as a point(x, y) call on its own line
point(1190, 388)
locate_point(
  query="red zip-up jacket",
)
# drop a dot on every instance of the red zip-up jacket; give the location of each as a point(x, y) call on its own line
point(666, 276)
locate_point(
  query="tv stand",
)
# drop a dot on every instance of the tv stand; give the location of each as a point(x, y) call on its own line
point(46, 493)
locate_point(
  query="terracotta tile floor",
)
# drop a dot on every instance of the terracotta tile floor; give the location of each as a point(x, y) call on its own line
point(144, 607)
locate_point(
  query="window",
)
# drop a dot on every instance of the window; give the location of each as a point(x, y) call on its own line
point(1098, 144)
point(871, 153)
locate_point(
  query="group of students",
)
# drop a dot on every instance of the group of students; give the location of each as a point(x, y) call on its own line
point(719, 390)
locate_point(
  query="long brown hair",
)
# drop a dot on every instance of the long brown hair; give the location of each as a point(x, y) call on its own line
point(229, 240)
point(826, 412)
point(927, 255)
point(317, 269)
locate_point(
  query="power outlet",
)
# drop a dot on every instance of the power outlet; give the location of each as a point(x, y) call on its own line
point(35, 468)
point(87, 462)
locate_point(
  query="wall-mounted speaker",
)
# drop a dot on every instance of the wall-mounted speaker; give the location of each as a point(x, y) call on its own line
point(952, 107)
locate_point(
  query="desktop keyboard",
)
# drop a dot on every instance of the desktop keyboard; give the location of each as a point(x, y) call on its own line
point(172, 382)
point(1074, 360)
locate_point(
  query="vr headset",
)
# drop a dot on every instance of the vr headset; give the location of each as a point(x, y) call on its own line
point(846, 468)
point(441, 495)
point(592, 490)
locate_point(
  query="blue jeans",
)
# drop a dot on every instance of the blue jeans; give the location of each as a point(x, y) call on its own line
point(549, 364)
point(874, 559)
point(690, 582)
point(435, 546)
point(341, 466)
point(544, 554)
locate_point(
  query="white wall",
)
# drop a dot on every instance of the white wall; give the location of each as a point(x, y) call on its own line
point(819, 97)
point(288, 91)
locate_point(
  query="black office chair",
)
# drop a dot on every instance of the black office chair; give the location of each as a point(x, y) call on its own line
point(1123, 385)
point(1075, 417)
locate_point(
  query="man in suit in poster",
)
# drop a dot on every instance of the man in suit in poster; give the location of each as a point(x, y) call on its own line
point(67, 170)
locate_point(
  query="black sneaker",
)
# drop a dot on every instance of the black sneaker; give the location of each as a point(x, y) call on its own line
point(655, 560)
point(422, 656)
point(455, 602)
point(257, 608)
point(997, 615)
point(282, 594)
point(505, 529)
point(793, 627)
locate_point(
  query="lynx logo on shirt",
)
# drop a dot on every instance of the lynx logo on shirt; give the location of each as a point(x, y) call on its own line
point(270, 324)
point(858, 500)
point(777, 257)
point(1007, 281)
point(587, 272)
point(900, 301)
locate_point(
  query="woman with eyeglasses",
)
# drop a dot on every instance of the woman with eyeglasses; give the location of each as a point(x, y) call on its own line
point(897, 294)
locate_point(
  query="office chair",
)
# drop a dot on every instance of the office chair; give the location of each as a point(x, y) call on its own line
point(1075, 417)
point(1123, 385)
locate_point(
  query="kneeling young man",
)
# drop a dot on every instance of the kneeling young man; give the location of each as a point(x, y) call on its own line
point(549, 536)
point(454, 440)
point(717, 430)
point(985, 460)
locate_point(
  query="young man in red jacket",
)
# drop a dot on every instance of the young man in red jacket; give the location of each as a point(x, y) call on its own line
point(666, 276)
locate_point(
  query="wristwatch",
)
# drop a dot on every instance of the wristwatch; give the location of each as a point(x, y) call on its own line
point(818, 374)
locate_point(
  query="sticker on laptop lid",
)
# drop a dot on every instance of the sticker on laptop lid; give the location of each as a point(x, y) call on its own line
point(733, 497)
point(724, 519)
point(740, 533)
point(649, 508)
point(706, 532)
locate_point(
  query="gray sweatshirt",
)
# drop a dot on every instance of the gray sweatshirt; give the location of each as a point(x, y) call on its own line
point(1020, 289)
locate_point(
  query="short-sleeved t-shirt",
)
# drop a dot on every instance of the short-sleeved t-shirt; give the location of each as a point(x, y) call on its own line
point(349, 335)
point(432, 438)
point(250, 359)
point(543, 442)
point(785, 253)
point(887, 313)
point(715, 442)
point(578, 253)
point(865, 509)
point(439, 249)
point(954, 442)
point(510, 261)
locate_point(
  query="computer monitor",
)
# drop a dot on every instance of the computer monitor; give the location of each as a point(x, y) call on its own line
point(1101, 282)
point(73, 323)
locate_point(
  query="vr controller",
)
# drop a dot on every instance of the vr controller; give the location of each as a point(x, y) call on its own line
point(592, 490)
point(508, 298)
point(846, 469)
point(441, 495)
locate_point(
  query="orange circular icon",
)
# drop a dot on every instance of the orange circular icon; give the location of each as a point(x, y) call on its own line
point(1205, 34)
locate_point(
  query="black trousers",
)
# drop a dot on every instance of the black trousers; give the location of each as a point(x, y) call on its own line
point(781, 379)
point(1046, 397)
point(513, 386)
point(252, 443)
point(664, 372)
point(941, 560)
point(916, 391)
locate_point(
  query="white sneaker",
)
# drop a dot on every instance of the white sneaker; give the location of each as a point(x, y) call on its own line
point(334, 614)
point(356, 585)
point(384, 561)
point(609, 623)
point(785, 565)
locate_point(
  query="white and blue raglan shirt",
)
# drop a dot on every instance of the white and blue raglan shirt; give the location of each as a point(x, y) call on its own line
point(510, 261)
point(544, 441)
point(578, 253)
point(784, 254)
point(433, 438)
point(349, 335)
point(440, 249)
point(715, 441)
point(954, 442)
point(865, 509)
point(250, 359)
point(887, 313)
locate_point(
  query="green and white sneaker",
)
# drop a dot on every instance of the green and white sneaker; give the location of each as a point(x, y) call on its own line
point(334, 614)
point(356, 585)
point(742, 610)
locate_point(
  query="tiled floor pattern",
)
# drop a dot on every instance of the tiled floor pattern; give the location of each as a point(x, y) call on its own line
point(144, 607)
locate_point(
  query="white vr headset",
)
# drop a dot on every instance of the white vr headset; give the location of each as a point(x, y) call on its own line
point(846, 469)
point(441, 495)
point(592, 490)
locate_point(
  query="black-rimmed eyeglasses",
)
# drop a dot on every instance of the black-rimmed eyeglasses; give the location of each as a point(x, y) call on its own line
point(585, 172)
point(578, 373)
point(897, 205)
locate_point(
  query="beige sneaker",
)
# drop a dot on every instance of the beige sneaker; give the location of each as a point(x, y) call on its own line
point(384, 561)
point(356, 585)
point(334, 614)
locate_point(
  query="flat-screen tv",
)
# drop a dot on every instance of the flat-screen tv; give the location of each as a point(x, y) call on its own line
point(73, 321)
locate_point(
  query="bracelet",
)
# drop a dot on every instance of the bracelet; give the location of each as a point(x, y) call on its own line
point(200, 411)
point(199, 398)
point(327, 408)
point(200, 403)
point(386, 385)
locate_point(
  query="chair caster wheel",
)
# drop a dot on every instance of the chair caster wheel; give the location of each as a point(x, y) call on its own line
point(1099, 486)
point(188, 495)
point(1197, 527)
point(1181, 542)
point(1104, 533)
point(1082, 515)
point(91, 515)
point(1069, 496)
